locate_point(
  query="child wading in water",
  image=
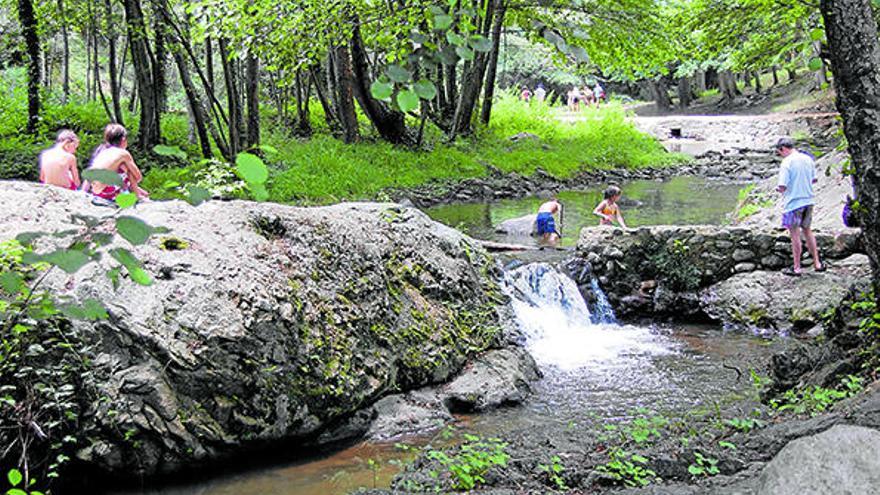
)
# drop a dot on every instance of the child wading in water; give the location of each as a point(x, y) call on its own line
point(608, 210)
point(546, 223)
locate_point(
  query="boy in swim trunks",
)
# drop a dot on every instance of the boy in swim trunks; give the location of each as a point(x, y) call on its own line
point(546, 222)
point(58, 163)
point(608, 210)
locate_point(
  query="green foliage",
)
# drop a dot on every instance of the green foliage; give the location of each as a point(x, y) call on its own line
point(467, 467)
point(703, 466)
point(554, 471)
point(674, 266)
point(814, 400)
point(751, 201)
point(45, 363)
point(745, 425)
point(19, 485)
point(627, 469)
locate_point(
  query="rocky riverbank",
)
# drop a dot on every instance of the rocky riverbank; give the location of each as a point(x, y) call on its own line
point(267, 325)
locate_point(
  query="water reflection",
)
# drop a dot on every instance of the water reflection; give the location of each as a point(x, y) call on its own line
point(678, 201)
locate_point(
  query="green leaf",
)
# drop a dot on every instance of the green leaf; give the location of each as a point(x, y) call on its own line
point(251, 168)
point(381, 90)
point(454, 38)
point(259, 192)
point(442, 22)
point(132, 265)
point(27, 238)
point(113, 275)
point(465, 53)
point(425, 89)
point(133, 230)
point(448, 56)
point(126, 200)
point(817, 34)
point(11, 282)
point(695, 470)
point(407, 100)
point(268, 149)
point(398, 74)
point(481, 43)
point(108, 177)
point(14, 476)
point(197, 195)
point(163, 150)
point(69, 260)
point(16, 491)
point(580, 54)
point(815, 64)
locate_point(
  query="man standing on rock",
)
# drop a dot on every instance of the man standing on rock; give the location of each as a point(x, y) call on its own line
point(796, 178)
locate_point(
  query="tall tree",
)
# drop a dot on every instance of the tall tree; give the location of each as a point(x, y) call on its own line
point(854, 51)
point(32, 43)
point(150, 132)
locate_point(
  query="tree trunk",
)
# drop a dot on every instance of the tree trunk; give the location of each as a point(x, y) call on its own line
point(660, 94)
point(343, 84)
point(472, 82)
point(115, 95)
point(489, 94)
point(854, 52)
point(685, 92)
point(329, 112)
point(232, 99)
point(209, 61)
point(160, 82)
point(32, 42)
point(253, 100)
point(727, 85)
point(390, 124)
point(65, 56)
point(792, 74)
point(758, 87)
point(821, 74)
point(195, 105)
point(775, 76)
point(700, 78)
point(303, 95)
point(150, 134)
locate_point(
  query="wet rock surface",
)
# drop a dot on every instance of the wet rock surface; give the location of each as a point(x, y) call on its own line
point(726, 274)
point(273, 324)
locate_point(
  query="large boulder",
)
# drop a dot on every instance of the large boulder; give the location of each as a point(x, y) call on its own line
point(265, 323)
point(841, 460)
point(519, 227)
point(765, 299)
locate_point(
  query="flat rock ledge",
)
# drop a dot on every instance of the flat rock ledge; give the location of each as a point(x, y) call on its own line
point(728, 274)
point(270, 325)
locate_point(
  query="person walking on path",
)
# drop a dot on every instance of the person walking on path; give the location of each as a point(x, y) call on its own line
point(540, 93)
point(797, 174)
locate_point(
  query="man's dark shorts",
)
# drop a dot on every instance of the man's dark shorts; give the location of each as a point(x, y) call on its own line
point(801, 217)
point(546, 224)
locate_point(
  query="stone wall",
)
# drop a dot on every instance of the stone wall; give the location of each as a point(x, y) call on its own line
point(670, 269)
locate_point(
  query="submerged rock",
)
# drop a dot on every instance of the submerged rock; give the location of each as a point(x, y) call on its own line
point(519, 227)
point(841, 460)
point(271, 324)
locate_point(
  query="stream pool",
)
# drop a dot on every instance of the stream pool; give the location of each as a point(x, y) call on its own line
point(685, 200)
point(596, 371)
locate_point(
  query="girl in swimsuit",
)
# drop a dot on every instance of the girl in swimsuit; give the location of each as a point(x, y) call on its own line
point(112, 155)
point(608, 210)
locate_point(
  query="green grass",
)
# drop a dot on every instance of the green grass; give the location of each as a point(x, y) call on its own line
point(322, 169)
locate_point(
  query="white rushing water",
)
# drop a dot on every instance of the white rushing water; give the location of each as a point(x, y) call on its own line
point(557, 325)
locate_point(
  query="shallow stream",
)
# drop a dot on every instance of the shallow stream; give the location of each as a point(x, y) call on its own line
point(596, 370)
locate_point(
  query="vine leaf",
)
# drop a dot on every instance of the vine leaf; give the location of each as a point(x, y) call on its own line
point(108, 177)
point(69, 260)
point(133, 230)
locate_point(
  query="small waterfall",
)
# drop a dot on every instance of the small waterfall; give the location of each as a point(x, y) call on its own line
point(602, 310)
point(559, 328)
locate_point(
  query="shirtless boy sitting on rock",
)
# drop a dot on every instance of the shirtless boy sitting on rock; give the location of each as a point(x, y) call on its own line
point(58, 163)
